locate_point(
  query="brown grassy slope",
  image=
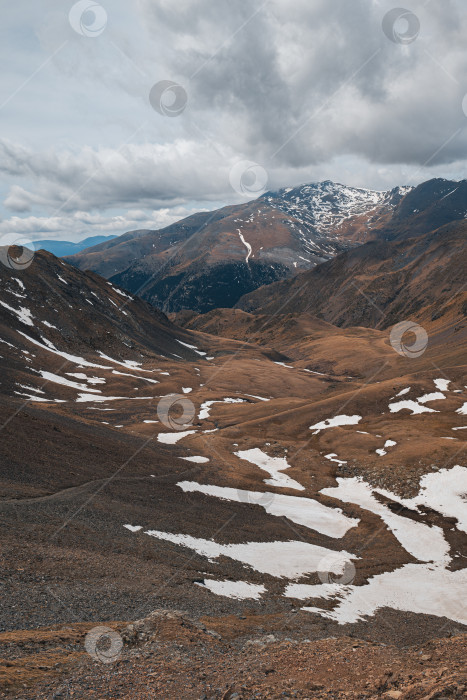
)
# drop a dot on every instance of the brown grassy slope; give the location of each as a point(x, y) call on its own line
point(378, 284)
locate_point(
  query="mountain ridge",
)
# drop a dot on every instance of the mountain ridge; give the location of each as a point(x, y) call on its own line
point(238, 248)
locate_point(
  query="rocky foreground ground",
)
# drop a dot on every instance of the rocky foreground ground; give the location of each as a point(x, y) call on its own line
point(170, 655)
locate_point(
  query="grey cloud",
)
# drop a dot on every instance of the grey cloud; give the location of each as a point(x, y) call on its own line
point(289, 70)
point(136, 174)
point(309, 90)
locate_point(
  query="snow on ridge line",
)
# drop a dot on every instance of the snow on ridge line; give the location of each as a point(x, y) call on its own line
point(325, 206)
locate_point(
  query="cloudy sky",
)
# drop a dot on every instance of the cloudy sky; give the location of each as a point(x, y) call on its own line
point(125, 115)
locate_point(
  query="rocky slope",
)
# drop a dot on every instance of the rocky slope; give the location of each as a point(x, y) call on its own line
point(63, 248)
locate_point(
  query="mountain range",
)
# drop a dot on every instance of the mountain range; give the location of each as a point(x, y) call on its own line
point(210, 260)
point(63, 248)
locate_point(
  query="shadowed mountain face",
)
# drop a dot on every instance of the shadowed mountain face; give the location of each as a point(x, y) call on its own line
point(210, 260)
point(427, 207)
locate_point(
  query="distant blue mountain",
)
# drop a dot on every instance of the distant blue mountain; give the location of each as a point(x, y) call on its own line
point(62, 248)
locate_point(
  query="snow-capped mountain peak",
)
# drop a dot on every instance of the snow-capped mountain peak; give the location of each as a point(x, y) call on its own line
point(325, 206)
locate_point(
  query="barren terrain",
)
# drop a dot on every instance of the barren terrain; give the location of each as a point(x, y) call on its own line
point(298, 504)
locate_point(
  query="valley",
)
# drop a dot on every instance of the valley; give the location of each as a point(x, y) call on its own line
point(263, 480)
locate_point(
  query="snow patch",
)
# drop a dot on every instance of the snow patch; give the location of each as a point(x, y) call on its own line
point(172, 438)
point(239, 590)
point(246, 244)
point(280, 559)
point(423, 542)
point(66, 356)
point(303, 511)
point(273, 465)
point(382, 450)
point(196, 459)
point(442, 384)
point(410, 405)
point(335, 422)
point(420, 588)
point(23, 314)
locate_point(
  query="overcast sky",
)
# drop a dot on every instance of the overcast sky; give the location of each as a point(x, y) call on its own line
point(306, 89)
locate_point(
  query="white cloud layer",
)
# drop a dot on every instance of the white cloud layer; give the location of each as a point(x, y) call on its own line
point(81, 225)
